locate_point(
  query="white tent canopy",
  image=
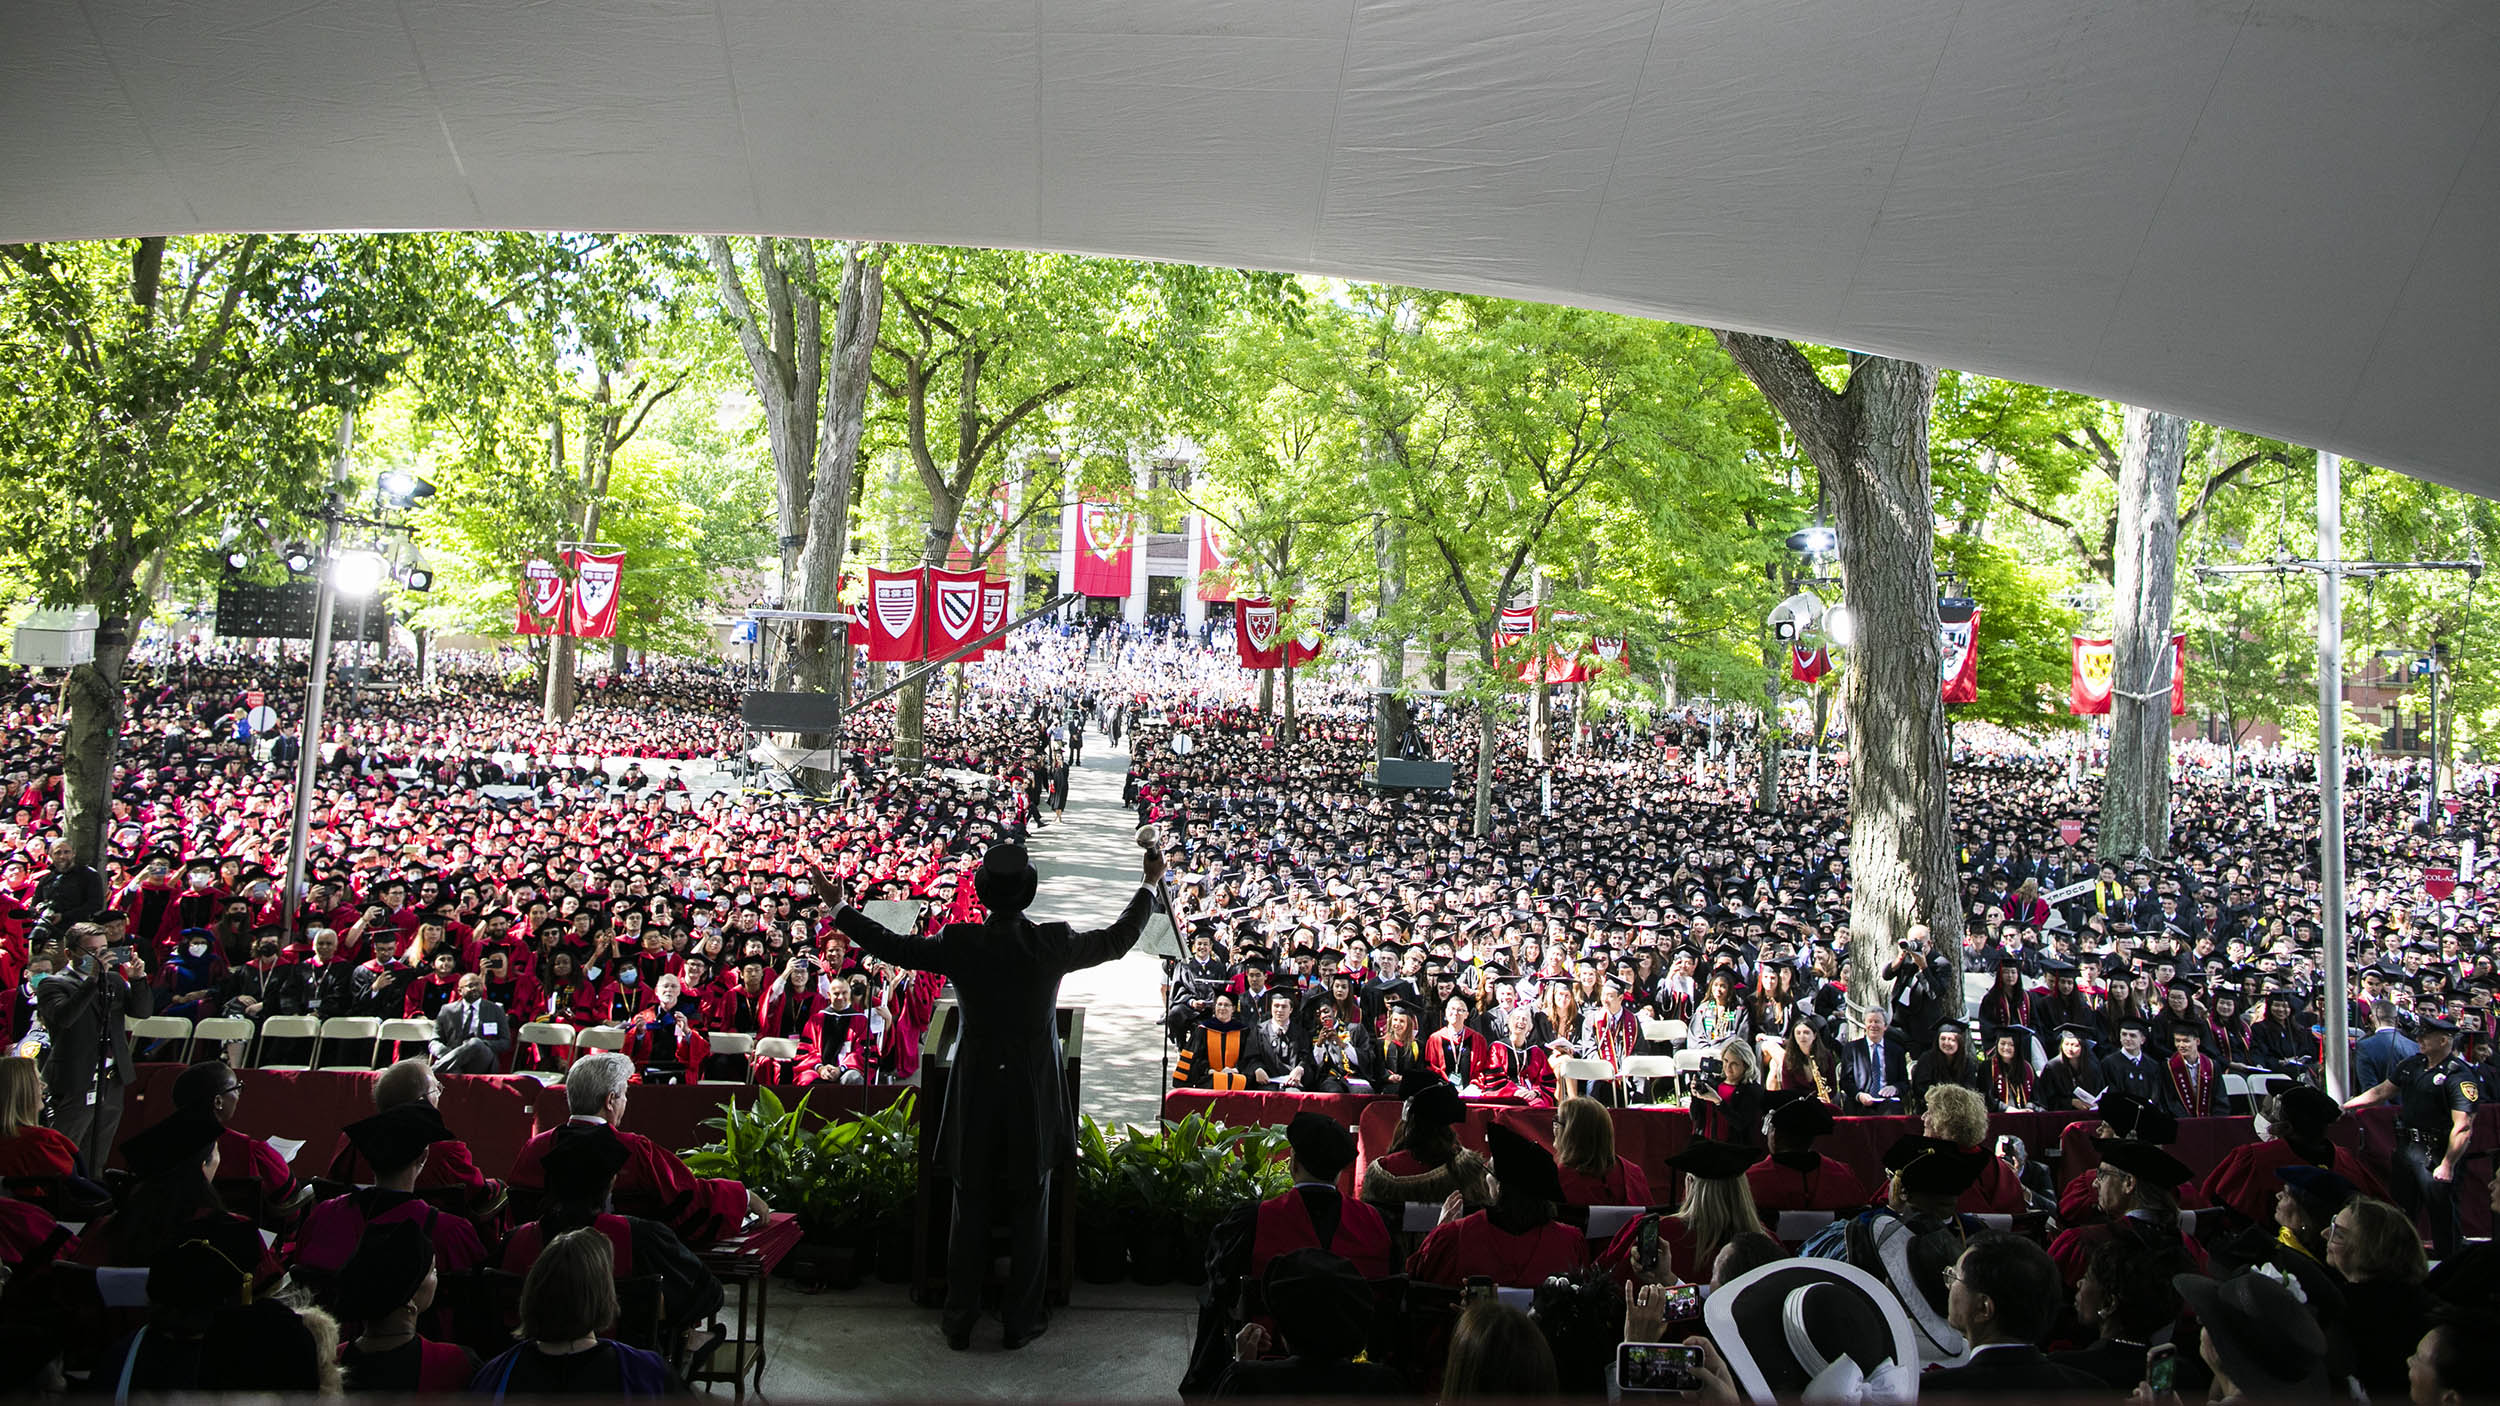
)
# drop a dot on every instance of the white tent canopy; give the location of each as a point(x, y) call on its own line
point(2273, 214)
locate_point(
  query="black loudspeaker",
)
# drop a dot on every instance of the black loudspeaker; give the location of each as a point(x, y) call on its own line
point(1397, 775)
point(788, 712)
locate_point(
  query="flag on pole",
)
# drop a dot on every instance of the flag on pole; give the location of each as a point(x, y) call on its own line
point(993, 613)
point(1215, 562)
point(1807, 663)
point(542, 599)
point(598, 590)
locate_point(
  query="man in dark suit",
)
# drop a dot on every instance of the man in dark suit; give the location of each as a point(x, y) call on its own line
point(472, 1035)
point(1007, 1123)
point(2003, 1295)
point(2130, 1071)
point(69, 892)
point(1873, 1070)
point(1274, 1052)
point(87, 1065)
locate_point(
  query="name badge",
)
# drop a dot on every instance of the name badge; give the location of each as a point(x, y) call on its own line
point(487, 1030)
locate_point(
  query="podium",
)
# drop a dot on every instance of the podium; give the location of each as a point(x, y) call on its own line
point(933, 1203)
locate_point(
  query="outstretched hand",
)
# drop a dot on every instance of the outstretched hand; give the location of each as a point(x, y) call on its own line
point(827, 890)
point(1153, 865)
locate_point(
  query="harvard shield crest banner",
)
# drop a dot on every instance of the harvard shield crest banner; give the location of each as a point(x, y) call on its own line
point(1959, 667)
point(893, 611)
point(1563, 665)
point(1254, 634)
point(1104, 550)
point(1808, 662)
point(2087, 692)
point(1305, 645)
point(1611, 654)
point(954, 610)
point(2095, 671)
point(1215, 563)
point(993, 613)
point(542, 599)
point(598, 586)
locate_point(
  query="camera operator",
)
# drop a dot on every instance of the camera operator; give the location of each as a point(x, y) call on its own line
point(87, 1065)
point(1919, 994)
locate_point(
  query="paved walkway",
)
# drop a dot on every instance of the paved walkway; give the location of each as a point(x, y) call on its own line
point(1088, 863)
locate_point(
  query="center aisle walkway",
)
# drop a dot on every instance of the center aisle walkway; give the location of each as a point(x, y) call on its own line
point(1088, 863)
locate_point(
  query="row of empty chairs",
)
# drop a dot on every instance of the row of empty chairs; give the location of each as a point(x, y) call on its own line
point(340, 1042)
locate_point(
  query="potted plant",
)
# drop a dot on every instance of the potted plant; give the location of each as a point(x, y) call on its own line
point(1155, 1192)
point(843, 1179)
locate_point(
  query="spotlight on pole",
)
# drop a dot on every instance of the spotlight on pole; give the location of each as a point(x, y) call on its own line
point(358, 574)
point(238, 559)
point(1815, 541)
point(298, 558)
point(401, 488)
point(419, 578)
point(1840, 625)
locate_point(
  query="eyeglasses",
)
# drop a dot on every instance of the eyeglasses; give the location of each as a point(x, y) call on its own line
point(2335, 1231)
point(1952, 1275)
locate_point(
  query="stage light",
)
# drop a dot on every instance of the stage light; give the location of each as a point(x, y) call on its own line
point(238, 559)
point(1840, 625)
point(1815, 541)
point(358, 574)
point(402, 488)
point(299, 558)
point(420, 579)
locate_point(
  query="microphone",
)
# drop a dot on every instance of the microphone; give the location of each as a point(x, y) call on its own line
point(1150, 836)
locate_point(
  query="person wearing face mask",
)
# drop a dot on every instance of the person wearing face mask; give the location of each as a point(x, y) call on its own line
point(191, 979)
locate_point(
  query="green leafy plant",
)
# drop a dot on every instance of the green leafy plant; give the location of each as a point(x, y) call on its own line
point(839, 1178)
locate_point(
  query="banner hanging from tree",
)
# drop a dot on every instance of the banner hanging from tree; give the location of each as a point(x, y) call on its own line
point(954, 610)
point(993, 613)
point(1959, 667)
point(1613, 657)
point(1215, 563)
point(1305, 645)
point(1104, 550)
point(1563, 665)
point(894, 610)
point(1254, 634)
point(542, 599)
point(598, 589)
point(2095, 670)
point(1808, 662)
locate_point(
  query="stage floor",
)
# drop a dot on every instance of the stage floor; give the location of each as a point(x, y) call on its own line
point(1114, 1342)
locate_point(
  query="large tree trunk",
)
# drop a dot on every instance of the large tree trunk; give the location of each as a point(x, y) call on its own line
point(91, 747)
point(858, 313)
point(598, 457)
point(1288, 733)
point(784, 346)
point(1488, 730)
point(1868, 444)
point(2135, 793)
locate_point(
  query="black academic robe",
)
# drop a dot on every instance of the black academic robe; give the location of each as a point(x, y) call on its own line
point(2146, 1078)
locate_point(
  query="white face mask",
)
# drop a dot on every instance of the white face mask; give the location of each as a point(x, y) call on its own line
point(199, 949)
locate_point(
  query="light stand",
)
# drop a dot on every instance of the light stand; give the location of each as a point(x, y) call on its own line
point(2330, 569)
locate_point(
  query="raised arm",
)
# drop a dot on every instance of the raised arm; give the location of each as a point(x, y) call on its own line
point(876, 939)
point(1086, 949)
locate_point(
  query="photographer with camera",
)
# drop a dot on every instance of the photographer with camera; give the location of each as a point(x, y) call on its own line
point(87, 1065)
point(1922, 990)
point(69, 892)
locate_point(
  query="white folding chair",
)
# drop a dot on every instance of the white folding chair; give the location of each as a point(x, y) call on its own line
point(232, 1035)
point(291, 1027)
point(776, 1047)
point(726, 1043)
point(1651, 1068)
point(407, 1032)
point(1677, 1033)
point(553, 1035)
point(159, 1027)
point(343, 1030)
point(610, 1038)
point(1654, 1029)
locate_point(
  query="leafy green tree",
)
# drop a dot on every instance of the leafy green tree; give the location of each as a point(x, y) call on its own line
point(161, 390)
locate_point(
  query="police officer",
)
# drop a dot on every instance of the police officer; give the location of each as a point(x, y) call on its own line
point(2434, 1121)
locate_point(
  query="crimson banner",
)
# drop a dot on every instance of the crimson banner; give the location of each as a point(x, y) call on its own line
point(993, 613)
point(1959, 668)
point(542, 599)
point(1254, 634)
point(1215, 564)
point(1612, 656)
point(598, 588)
point(894, 609)
point(1104, 550)
point(1305, 646)
point(954, 610)
point(2095, 665)
point(1807, 663)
